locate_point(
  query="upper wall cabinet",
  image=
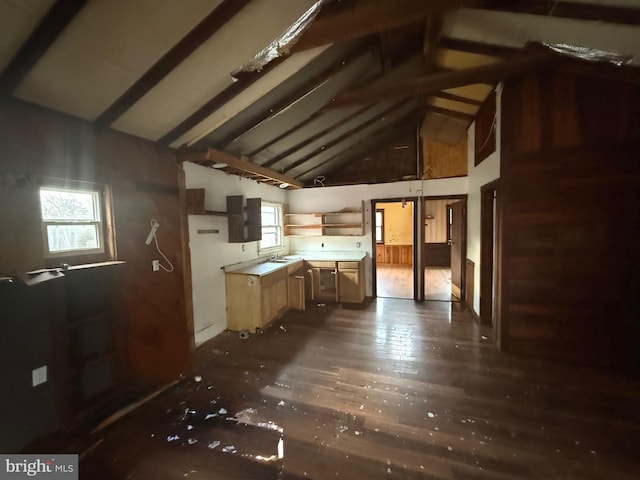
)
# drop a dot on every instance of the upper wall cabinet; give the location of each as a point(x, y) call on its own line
point(245, 222)
point(334, 224)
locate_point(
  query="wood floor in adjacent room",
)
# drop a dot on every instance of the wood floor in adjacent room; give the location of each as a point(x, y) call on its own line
point(396, 281)
point(390, 390)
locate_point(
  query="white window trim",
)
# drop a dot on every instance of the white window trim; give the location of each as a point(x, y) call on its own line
point(98, 204)
point(280, 227)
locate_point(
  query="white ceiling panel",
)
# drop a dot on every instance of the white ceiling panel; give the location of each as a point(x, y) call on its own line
point(514, 30)
point(18, 19)
point(263, 86)
point(207, 71)
point(105, 49)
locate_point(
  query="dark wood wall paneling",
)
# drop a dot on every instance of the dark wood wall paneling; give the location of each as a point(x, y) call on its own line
point(37, 142)
point(437, 254)
point(570, 224)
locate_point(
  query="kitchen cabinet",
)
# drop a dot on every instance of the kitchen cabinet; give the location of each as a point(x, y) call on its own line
point(244, 222)
point(253, 300)
point(336, 281)
point(324, 280)
point(351, 285)
point(296, 285)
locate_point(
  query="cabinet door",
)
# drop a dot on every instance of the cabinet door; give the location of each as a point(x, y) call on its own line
point(281, 300)
point(349, 286)
point(297, 290)
point(267, 297)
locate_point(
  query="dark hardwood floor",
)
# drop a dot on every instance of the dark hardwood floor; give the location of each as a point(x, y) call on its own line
point(389, 390)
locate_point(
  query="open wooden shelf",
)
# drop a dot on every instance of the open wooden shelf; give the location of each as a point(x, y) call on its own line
point(346, 223)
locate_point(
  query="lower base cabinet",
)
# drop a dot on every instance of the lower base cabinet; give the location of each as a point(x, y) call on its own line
point(351, 285)
point(253, 301)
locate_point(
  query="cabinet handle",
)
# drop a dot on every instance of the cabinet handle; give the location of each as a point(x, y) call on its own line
point(299, 277)
point(334, 272)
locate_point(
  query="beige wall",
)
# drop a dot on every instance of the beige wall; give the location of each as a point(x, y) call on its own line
point(398, 223)
point(435, 229)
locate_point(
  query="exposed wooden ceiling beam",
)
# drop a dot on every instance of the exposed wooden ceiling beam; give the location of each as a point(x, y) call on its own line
point(432, 32)
point(372, 18)
point(345, 135)
point(402, 54)
point(476, 47)
point(370, 143)
point(467, 117)
point(45, 34)
point(234, 163)
point(170, 60)
point(314, 83)
point(313, 138)
point(459, 98)
point(287, 132)
point(573, 10)
point(435, 82)
point(235, 88)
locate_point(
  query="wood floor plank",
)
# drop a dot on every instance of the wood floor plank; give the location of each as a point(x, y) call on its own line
point(392, 389)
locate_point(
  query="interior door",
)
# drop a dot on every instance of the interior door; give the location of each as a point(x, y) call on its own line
point(456, 240)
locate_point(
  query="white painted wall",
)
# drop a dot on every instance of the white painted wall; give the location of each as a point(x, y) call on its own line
point(210, 252)
point(325, 199)
point(478, 176)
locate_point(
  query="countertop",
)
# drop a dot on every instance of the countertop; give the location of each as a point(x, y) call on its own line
point(265, 268)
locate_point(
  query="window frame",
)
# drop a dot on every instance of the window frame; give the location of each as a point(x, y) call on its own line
point(99, 205)
point(279, 228)
point(381, 226)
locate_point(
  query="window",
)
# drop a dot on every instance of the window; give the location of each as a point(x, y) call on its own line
point(271, 226)
point(71, 221)
point(380, 226)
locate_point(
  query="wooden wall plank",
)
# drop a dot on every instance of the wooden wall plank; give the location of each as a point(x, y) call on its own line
point(38, 142)
point(570, 224)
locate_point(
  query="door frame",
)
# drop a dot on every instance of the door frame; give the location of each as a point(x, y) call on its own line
point(374, 260)
point(490, 254)
point(423, 264)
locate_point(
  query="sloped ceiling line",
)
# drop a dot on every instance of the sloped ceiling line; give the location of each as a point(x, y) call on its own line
point(314, 83)
point(216, 102)
point(368, 19)
point(347, 134)
point(170, 60)
point(52, 25)
point(313, 138)
point(468, 46)
point(459, 98)
point(400, 58)
point(433, 83)
point(373, 138)
point(451, 113)
point(573, 10)
point(367, 147)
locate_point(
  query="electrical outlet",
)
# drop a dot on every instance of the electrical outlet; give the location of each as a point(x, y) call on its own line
point(39, 376)
point(155, 264)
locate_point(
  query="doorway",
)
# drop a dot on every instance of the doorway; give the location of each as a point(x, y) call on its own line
point(489, 256)
point(444, 248)
point(394, 247)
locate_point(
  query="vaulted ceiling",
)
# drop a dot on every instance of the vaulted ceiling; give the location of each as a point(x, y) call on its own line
point(338, 74)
